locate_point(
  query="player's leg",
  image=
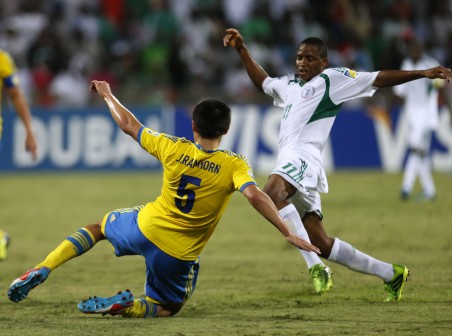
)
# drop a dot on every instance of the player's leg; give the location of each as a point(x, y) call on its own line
point(280, 191)
point(413, 164)
point(125, 304)
point(313, 222)
point(170, 282)
point(148, 308)
point(120, 228)
point(410, 173)
point(73, 246)
point(426, 178)
point(338, 251)
point(425, 169)
point(4, 243)
point(393, 275)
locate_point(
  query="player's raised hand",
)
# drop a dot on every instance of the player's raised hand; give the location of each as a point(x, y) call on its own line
point(101, 87)
point(233, 38)
point(439, 72)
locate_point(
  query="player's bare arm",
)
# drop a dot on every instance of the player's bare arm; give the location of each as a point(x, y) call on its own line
point(265, 206)
point(122, 116)
point(234, 39)
point(387, 78)
point(23, 111)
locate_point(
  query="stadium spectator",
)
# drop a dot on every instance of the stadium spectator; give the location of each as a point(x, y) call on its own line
point(311, 100)
point(10, 81)
point(421, 110)
point(171, 232)
point(68, 88)
point(161, 32)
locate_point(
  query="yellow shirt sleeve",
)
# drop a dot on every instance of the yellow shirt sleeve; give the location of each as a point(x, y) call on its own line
point(7, 65)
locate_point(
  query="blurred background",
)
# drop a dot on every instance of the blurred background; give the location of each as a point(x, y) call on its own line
point(162, 56)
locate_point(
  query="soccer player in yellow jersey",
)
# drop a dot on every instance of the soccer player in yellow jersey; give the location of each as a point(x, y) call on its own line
point(10, 82)
point(170, 232)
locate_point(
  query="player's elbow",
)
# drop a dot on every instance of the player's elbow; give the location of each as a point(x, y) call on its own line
point(129, 126)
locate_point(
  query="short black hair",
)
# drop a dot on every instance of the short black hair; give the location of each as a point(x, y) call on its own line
point(212, 118)
point(317, 42)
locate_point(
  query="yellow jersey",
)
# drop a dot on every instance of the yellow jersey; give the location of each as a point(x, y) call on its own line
point(8, 76)
point(197, 186)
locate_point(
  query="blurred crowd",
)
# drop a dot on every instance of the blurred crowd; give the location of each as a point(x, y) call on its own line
point(171, 51)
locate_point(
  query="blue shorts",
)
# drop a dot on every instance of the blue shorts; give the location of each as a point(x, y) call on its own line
point(168, 279)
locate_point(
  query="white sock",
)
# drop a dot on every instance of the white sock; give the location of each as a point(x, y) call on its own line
point(346, 255)
point(293, 220)
point(425, 176)
point(410, 172)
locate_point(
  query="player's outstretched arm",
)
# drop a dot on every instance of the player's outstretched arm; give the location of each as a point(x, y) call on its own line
point(22, 109)
point(264, 205)
point(122, 116)
point(234, 39)
point(387, 78)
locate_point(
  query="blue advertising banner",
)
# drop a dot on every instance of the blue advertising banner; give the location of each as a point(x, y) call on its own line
point(88, 139)
point(79, 139)
point(359, 139)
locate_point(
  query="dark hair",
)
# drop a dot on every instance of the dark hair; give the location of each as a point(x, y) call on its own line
point(317, 42)
point(212, 118)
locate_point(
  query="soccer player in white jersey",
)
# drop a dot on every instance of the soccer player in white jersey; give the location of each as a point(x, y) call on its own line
point(311, 98)
point(170, 232)
point(421, 110)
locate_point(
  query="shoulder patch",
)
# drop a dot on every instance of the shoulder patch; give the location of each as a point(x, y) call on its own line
point(346, 72)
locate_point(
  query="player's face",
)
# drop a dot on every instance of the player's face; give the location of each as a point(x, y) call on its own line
point(309, 62)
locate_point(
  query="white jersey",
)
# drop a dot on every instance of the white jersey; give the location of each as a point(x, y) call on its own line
point(421, 98)
point(310, 109)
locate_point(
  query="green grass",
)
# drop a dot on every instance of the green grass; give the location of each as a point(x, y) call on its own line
point(251, 282)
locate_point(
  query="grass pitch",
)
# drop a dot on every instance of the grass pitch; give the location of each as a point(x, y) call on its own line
point(251, 282)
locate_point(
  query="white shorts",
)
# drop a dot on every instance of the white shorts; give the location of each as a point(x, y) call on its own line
point(303, 171)
point(307, 176)
point(305, 203)
point(420, 138)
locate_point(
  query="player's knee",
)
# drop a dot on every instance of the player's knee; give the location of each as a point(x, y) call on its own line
point(278, 190)
point(273, 194)
point(277, 195)
point(96, 230)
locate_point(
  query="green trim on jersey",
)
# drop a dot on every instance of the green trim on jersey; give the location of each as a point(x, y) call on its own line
point(326, 107)
point(297, 80)
point(430, 88)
